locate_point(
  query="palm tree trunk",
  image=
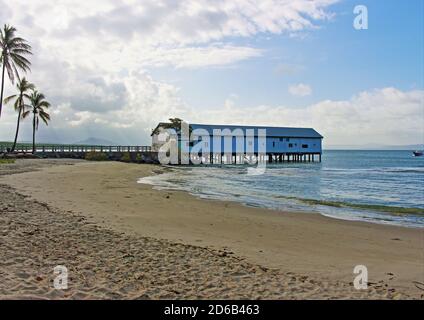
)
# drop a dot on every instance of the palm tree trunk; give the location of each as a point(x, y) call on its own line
point(33, 135)
point(17, 130)
point(2, 87)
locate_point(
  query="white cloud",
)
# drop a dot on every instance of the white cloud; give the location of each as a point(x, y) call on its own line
point(197, 57)
point(5, 11)
point(385, 116)
point(110, 35)
point(91, 57)
point(189, 21)
point(300, 90)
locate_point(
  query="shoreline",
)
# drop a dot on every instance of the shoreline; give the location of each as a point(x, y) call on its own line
point(278, 211)
point(380, 214)
point(338, 204)
point(305, 243)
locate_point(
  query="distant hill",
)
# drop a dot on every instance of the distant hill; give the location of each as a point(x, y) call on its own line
point(96, 142)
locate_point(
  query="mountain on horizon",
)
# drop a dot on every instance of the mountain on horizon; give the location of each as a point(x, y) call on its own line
point(95, 141)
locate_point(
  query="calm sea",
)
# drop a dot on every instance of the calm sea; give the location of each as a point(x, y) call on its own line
point(378, 186)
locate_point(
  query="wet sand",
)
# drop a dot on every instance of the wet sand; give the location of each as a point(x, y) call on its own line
point(97, 219)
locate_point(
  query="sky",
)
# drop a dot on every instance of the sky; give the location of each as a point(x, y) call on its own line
point(114, 69)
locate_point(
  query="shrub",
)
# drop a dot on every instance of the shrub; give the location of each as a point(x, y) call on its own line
point(96, 156)
point(126, 157)
point(7, 161)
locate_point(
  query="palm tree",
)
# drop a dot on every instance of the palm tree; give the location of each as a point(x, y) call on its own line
point(12, 52)
point(23, 86)
point(175, 123)
point(37, 106)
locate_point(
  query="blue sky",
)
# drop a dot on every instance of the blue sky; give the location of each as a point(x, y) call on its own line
point(336, 60)
point(114, 69)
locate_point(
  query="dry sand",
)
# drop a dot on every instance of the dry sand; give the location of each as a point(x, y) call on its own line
point(120, 239)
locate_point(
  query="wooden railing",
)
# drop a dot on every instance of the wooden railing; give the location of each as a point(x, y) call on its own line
point(76, 148)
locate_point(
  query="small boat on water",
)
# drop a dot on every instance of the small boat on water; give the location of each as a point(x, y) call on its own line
point(418, 153)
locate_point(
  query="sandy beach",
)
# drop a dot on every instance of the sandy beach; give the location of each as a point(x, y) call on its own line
point(122, 239)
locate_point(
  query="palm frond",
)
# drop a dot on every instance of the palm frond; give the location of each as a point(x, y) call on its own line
point(13, 50)
point(10, 98)
point(44, 104)
point(9, 71)
point(24, 85)
point(19, 42)
point(17, 104)
point(26, 114)
point(21, 63)
point(20, 60)
point(16, 72)
point(45, 117)
point(45, 114)
point(41, 96)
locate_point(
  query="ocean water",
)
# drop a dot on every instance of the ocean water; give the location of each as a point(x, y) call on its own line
point(377, 186)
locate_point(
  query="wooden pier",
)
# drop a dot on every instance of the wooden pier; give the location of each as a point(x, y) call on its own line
point(216, 158)
point(145, 154)
point(76, 148)
point(138, 154)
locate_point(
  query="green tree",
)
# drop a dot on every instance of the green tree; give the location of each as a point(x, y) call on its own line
point(23, 87)
point(12, 56)
point(37, 106)
point(174, 123)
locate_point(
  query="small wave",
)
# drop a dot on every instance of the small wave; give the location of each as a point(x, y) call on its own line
point(405, 170)
point(392, 210)
point(419, 170)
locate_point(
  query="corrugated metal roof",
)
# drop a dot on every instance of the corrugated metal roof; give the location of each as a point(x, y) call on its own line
point(286, 132)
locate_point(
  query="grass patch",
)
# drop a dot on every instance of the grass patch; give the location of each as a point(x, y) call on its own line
point(96, 156)
point(7, 161)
